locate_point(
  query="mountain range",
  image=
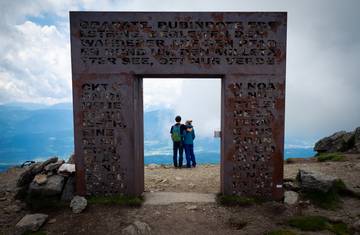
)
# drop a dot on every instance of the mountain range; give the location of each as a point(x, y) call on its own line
point(35, 132)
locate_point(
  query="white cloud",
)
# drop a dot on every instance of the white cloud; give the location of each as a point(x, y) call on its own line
point(35, 66)
point(195, 99)
point(323, 56)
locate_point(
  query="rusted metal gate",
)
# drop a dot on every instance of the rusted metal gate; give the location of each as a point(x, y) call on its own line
point(113, 51)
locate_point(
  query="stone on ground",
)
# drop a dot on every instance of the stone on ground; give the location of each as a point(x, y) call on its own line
point(291, 186)
point(78, 204)
point(40, 179)
point(137, 228)
point(28, 175)
point(291, 197)
point(153, 166)
point(12, 209)
point(357, 140)
point(191, 207)
point(54, 166)
point(315, 181)
point(356, 226)
point(53, 186)
point(69, 189)
point(30, 222)
point(67, 168)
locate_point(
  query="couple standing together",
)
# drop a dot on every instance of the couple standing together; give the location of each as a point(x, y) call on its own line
point(183, 138)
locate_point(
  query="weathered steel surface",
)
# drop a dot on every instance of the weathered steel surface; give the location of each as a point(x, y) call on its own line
point(253, 135)
point(113, 51)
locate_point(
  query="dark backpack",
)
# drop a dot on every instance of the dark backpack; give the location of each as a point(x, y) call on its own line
point(176, 133)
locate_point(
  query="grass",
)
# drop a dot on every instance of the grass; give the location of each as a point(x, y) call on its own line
point(116, 200)
point(330, 200)
point(280, 232)
point(309, 223)
point(318, 223)
point(234, 200)
point(339, 229)
point(336, 157)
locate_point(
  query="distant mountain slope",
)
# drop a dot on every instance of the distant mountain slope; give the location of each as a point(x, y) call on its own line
point(29, 132)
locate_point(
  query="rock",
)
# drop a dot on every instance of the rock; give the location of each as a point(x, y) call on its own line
point(52, 221)
point(53, 186)
point(335, 219)
point(30, 222)
point(12, 209)
point(291, 186)
point(69, 189)
point(178, 178)
point(337, 142)
point(40, 179)
point(50, 160)
point(67, 169)
point(71, 159)
point(356, 147)
point(191, 185)
point(54, 166)
point(2, 199)
point(137, 228)
point(237, 222)
point(315, 181)
point(78, 204)
point(38, 168)
point(153, 166)
point(28, 175)
point(191, 207)
point(291, 197)
point(356, 226)
point(163, 181)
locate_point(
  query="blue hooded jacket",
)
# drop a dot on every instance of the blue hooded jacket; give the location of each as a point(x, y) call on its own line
point(189, 136)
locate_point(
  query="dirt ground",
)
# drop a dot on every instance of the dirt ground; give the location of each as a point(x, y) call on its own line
point(206, 178)
point(206, 218)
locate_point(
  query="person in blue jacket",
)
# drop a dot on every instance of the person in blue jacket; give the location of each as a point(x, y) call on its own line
point(189, 136)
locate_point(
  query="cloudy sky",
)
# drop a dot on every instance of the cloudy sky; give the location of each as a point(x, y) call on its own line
point(323, 58)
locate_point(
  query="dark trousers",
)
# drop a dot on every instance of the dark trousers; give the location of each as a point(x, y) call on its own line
point(178, 146)
point(190, 156)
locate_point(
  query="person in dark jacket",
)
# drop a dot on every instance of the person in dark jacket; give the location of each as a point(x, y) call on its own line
point(176, 132)
point(189, 136)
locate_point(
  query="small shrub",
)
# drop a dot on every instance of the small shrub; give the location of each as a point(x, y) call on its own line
point(339, 229)
point(280, 232)
point(329, 201)
point(324, 157)
point(309, 223)
point(318, 223)
point(116, 200)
